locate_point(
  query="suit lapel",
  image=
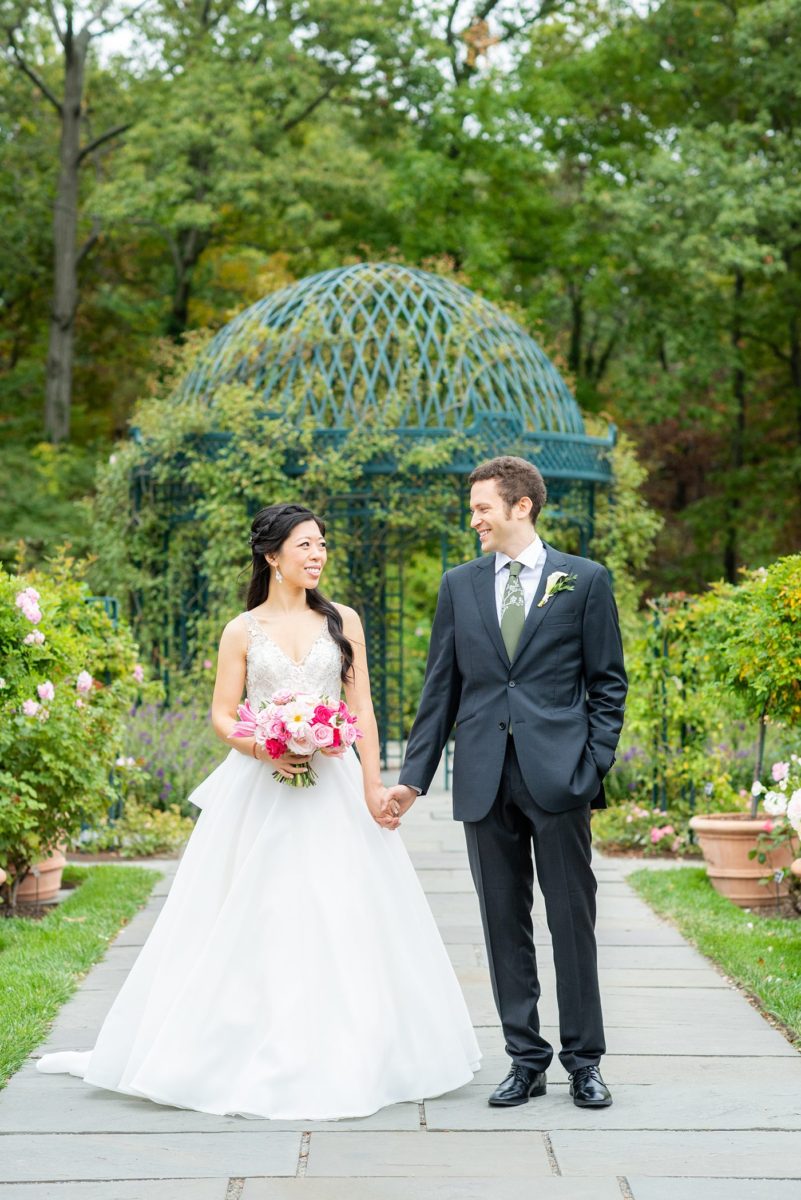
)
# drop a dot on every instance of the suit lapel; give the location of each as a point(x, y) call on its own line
point(553, 562)
point(484, 587)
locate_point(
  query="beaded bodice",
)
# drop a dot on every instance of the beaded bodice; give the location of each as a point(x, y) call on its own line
point(270, 669)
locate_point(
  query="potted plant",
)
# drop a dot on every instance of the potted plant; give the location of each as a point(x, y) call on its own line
point(749, 640)
point(69, 680)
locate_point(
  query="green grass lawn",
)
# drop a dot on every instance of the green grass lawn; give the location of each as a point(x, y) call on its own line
point(762, 954)
point(42, 961)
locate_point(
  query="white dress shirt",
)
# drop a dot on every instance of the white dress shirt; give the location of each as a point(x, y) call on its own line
point(533, 560)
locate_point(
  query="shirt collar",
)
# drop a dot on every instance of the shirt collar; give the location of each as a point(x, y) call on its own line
point(529, 557)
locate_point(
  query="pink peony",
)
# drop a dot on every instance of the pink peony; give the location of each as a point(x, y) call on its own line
point(30, 707)
point(84, 682)
point(780, 771)
point(274, 748)
point(139, 673)
point(322, 735)
point(46, 690)
point(276, 730)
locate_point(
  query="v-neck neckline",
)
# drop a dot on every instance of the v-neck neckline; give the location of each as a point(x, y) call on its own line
point(295, 662)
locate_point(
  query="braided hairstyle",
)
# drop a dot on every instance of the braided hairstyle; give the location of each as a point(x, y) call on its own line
point(270, 528)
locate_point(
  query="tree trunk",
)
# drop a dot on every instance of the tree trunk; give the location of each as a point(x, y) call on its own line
point(737, 458)
point(576, 328)
point(186, 254)
point(58, 385)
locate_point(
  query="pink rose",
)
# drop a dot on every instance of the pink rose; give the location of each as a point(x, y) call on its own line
point(84, 682)
point(349, 734)
point(666, 829)
point(30, 707)
point(139, 673)
point(656, 836)
point(46, 690)
point(767, 826)
point(322, 735)
point(780, 771)
point(283, 697)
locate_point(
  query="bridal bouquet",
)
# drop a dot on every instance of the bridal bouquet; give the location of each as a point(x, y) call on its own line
point(298, 723)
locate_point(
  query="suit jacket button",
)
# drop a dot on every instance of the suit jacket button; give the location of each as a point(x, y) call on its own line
point(511, 683)
point(501, 724)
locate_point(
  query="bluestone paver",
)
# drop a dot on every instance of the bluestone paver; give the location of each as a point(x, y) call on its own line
point(707, 1094)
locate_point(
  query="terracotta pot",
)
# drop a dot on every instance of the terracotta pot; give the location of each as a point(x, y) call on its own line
point(35, 889)
point(725, 839)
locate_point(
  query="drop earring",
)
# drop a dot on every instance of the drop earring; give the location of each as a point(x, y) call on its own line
point(278, 576)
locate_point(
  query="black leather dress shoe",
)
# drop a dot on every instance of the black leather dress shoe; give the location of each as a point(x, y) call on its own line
point(519, 1085)
point(588, 1088)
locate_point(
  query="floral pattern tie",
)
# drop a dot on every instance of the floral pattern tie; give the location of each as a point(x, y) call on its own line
point(513, 610)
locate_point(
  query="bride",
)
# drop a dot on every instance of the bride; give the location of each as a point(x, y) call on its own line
point(295, 970)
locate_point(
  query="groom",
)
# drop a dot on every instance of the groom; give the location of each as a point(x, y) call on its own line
point(526, 661)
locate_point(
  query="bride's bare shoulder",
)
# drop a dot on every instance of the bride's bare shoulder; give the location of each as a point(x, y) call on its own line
point(235, 633)
point(351, 621)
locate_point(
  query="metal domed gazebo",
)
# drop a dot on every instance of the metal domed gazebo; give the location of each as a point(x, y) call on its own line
point(429, 359)
point(428, 353)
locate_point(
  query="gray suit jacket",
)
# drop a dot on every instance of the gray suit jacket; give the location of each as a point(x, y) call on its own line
point(564, 691)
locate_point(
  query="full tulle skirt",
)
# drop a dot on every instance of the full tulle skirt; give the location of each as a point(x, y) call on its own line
point(295, 970)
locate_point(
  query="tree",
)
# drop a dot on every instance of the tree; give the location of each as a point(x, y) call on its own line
point(26, 26)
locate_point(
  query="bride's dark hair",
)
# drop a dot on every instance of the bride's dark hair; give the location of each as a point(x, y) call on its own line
point(270, 529)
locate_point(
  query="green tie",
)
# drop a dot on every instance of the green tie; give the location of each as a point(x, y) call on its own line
point(513, 610)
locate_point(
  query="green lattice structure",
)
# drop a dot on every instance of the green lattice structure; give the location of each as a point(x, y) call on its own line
point(434, 360)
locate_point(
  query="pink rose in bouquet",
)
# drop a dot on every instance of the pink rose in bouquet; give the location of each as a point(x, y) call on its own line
point(298, 723)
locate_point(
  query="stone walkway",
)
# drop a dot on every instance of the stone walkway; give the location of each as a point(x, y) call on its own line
point(707, 1095)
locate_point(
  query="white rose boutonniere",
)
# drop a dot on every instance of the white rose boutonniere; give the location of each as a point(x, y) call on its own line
point(558, 581)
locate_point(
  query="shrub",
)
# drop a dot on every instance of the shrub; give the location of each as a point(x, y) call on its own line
point(174, 749)
point(68, 680)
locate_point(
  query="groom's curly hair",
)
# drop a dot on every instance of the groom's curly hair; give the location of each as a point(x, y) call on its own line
point(515, 478)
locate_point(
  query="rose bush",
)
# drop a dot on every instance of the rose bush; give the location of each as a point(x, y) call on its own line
point(65, 695)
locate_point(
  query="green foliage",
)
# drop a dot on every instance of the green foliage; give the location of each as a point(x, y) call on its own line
point(47, 513)
point(760, 953)
point(750, 639)
point(625, 530)
point(57, 758)
point(42, 961)
point(140, 831)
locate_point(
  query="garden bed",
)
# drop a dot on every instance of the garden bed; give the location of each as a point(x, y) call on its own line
point(761, 954)
point(42, 961)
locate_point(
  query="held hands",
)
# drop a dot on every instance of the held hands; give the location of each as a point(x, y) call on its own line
point(398, 799)
point(387, 808)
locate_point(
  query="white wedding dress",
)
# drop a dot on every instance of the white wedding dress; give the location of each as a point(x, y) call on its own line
point(295, 970)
